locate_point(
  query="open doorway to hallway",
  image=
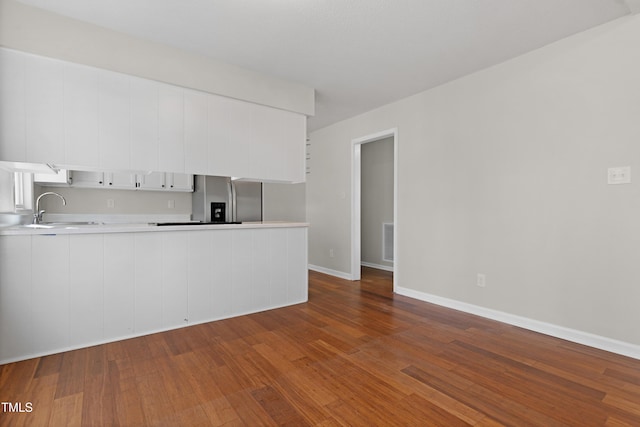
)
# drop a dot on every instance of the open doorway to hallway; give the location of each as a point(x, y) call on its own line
point(387, 253)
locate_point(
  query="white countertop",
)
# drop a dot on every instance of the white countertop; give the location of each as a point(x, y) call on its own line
point(71, 228)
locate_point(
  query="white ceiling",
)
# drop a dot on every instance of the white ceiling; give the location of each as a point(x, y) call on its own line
point(357, 54)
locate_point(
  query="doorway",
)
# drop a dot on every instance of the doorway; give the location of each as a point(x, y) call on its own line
point(356, 199)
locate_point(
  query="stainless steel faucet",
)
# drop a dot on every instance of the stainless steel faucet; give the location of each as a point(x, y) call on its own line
point(37, 215)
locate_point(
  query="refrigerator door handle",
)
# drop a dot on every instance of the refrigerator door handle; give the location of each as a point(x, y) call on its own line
point(233, 201)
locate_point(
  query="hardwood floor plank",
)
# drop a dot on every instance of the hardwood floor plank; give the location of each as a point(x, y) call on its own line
point(354, 355)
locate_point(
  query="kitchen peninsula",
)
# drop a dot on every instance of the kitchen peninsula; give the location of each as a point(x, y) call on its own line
point(72, 286)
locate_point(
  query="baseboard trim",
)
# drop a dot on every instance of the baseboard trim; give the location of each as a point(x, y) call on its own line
point(330, 272)
point(376, 266)
point(573, 335)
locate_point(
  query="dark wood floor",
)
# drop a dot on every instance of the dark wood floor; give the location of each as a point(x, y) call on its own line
point(355, 354)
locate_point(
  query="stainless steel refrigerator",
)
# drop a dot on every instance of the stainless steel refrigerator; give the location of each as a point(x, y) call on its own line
point(218, 199)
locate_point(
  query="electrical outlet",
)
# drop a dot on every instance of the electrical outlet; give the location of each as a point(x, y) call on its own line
point(171, 204)
point(331, 254)
point(111, 203)
point(481, 280)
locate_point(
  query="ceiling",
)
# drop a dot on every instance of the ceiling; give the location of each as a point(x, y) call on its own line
point(357, 54)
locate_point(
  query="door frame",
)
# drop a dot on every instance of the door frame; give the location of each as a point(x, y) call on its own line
point(356, 195)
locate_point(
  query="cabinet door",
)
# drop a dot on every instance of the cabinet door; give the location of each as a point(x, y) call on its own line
point(114, 121)
point(294, 135)
point(200, 276)
point(174, 279)
point(119, 285)
point(50, 297)
point(195, 131)
point(16, 329)
point(179, 182)
point(171, 128)
point(44, 110)
point(86, 275)
point(144, 124)
point(242, 295)
point(12, 106)
point(121, 180)
point(217, 138)
point(152, 181)
point(148, 282)
point(298, 274)
point(87, 179)
point(81, 116)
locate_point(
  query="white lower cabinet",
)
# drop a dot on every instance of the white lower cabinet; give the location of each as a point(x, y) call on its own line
point(119, 285)
point(148, 282)
point(174, 279)
point(49, 305)
point(86, 284)
point(16, 326)
point(65, 291)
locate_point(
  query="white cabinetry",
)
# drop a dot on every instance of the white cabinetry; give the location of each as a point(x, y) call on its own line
point(16, 326)
point(81, 112)
point(72, 290)
point(13, 144)
point(44, 110)
point(49, 305)
point(119, 285)
point(179, 182)
point(114, 128)
point(86, 179)
point(152, 181)
point(171, 128)
point(86, 284)
point(79, 117)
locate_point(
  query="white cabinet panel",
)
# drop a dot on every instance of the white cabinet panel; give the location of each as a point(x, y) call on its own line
point(16, 329)
point(114, 121)
point(148, 282)
point(44, 110)
point(200, 276)
point(119, 285)
point(277, 266)
point(86, 276)
point(222, 278)
point(87, 179)
point(174, 279)
point(121, 180)
point(241, 261)
point(239, 134)
point(294, 132)
point(171, 128)
point(297, 281)
point(144, 124)
point(81, 115)
point(152, 181)
point(218, 136)
point(50, 292)
point(179, 182)
point(261, 284)
point(13, 144)
point(195, 131)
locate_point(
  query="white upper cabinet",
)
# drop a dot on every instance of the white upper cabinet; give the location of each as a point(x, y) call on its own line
point(115, 121)
point(195, 131)
point(13, 144)
point(171, 128)
point(81, 117)
point(144, 124)
point(44, 110)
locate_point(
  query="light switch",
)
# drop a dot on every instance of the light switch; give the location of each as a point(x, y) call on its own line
point(619, 175)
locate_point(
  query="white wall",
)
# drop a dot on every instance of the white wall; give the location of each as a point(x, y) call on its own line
point(376, 198)
point(38, 31)
point(504, 173)
point(284, 202)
